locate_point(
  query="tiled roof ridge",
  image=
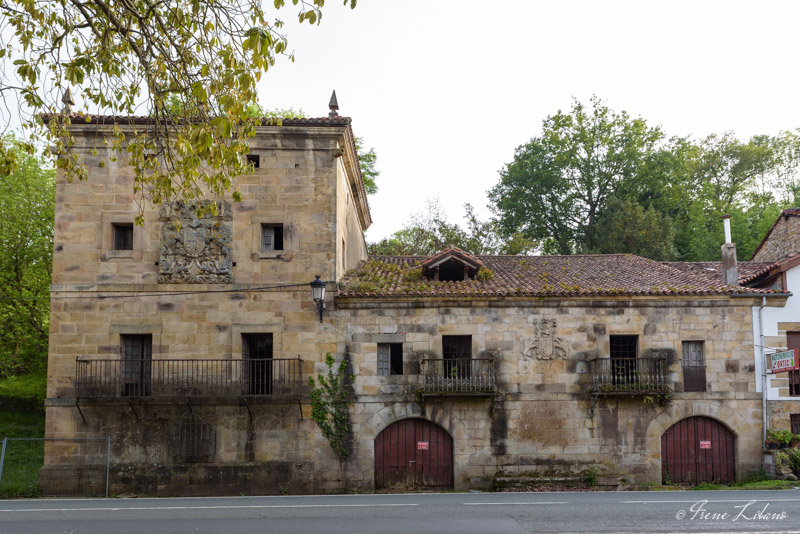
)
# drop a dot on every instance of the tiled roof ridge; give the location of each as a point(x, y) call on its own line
point(540, 276)
point(145, 119)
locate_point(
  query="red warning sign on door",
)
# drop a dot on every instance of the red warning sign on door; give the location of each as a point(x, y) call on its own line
point(422, 445)
point(705, 444)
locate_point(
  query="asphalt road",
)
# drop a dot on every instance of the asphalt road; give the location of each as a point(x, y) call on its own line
point(460, 513)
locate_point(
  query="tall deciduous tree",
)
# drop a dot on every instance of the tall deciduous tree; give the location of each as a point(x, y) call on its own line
point(559, 182)
point(124, 57)
point(27, 198)
point(429, 232)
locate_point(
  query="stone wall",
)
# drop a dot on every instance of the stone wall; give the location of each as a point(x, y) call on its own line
point(544, 423)
point(782, 241)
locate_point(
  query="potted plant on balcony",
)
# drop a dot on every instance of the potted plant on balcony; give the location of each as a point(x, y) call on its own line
point(795, 441)
point(772, 440)
point(782, 437)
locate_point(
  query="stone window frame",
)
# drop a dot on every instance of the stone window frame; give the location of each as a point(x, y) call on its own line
point(105, 238)
point(389, 358)
point(289, 239)
point(237, 329)
point(694, 375)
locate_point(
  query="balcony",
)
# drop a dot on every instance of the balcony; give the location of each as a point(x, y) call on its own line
point(458, 377)
point(146, 378)
point(629, 376)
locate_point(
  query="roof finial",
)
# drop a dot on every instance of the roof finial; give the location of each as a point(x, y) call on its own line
point(333, 105)
point(68, 102)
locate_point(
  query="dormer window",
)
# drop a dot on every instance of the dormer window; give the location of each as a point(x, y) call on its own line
point(451, 265)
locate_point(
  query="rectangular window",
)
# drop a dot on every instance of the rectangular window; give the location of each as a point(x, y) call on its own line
point(390, 359)
point(123, 236)
point(793, 342)
point(254, 160)
point(257, 364)
point(271, 237)
point(694, 366)
point(623, 353)
point(137, 355)
point(794, 421)
point(195, 442)
point(457, 354)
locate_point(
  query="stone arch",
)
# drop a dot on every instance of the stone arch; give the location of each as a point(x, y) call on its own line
point(367, 431)
point(678, 410)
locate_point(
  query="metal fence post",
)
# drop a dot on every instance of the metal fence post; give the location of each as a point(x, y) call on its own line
point(108, 461)
point(3, 458)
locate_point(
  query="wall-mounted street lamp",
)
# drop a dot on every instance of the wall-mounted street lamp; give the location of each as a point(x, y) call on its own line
point(318, 293)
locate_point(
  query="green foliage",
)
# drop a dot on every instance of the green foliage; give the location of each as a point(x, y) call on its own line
point(600, 181)
point(624, 226)
point(429, 232)
point(27, 198)
point(24, 392)
point(330, 405)
point(780, 436)
point(367, 159)
point(23, 458)
point(137, 58)
point(559, 182)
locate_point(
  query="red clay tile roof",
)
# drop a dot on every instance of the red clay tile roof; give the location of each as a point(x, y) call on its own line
point(591, 275)
point(144, 119)
point(748, 270)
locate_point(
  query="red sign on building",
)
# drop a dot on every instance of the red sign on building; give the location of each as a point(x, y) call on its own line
point(422, 445)
point(705, 444)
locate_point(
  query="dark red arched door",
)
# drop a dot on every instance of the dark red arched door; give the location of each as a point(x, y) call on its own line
point(698, 449)
point(413, 454)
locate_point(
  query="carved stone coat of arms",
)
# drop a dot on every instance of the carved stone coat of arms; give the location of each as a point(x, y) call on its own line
point(545, 345)
point(195, 249)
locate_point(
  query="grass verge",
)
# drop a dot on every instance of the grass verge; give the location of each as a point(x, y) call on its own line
point(22, 416)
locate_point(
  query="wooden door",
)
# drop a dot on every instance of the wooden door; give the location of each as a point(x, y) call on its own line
point(413, 454)
point(698, 449)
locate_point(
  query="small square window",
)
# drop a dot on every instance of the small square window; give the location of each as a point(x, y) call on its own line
point(390, 359)
point(123, 236)
point(254, 160)
point(271, 237)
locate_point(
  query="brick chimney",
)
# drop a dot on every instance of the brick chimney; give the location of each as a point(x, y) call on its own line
point(730, 272)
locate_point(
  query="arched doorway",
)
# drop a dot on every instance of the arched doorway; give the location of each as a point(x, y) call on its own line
point(413, 454)
point(698, 449)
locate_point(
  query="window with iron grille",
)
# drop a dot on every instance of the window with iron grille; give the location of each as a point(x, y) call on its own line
point(195, 442)
point(794, 422)
point(623, 353)
point(457, 354)
point(793, 342)
point(257, 353)
point(694, 366)
point(271, 237)
point(137, 353)
point(123, 236)
point(390, 359)
point(794, 383)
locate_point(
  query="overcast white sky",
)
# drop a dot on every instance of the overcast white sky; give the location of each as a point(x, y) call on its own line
point(445, 90)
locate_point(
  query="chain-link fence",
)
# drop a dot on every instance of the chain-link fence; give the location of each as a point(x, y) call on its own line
point(23, 472)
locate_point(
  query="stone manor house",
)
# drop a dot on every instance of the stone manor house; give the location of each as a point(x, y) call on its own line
point(190, 340)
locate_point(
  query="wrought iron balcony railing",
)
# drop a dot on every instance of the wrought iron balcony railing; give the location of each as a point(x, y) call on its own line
point(458, 376)
point(187, 377)
point(629, 376)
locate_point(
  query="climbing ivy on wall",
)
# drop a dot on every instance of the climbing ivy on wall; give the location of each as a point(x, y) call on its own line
point(330, 405)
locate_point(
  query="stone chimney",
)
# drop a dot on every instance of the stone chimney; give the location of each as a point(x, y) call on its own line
point(730, 272)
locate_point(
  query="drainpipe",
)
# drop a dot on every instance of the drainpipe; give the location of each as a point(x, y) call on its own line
point(763, 370)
